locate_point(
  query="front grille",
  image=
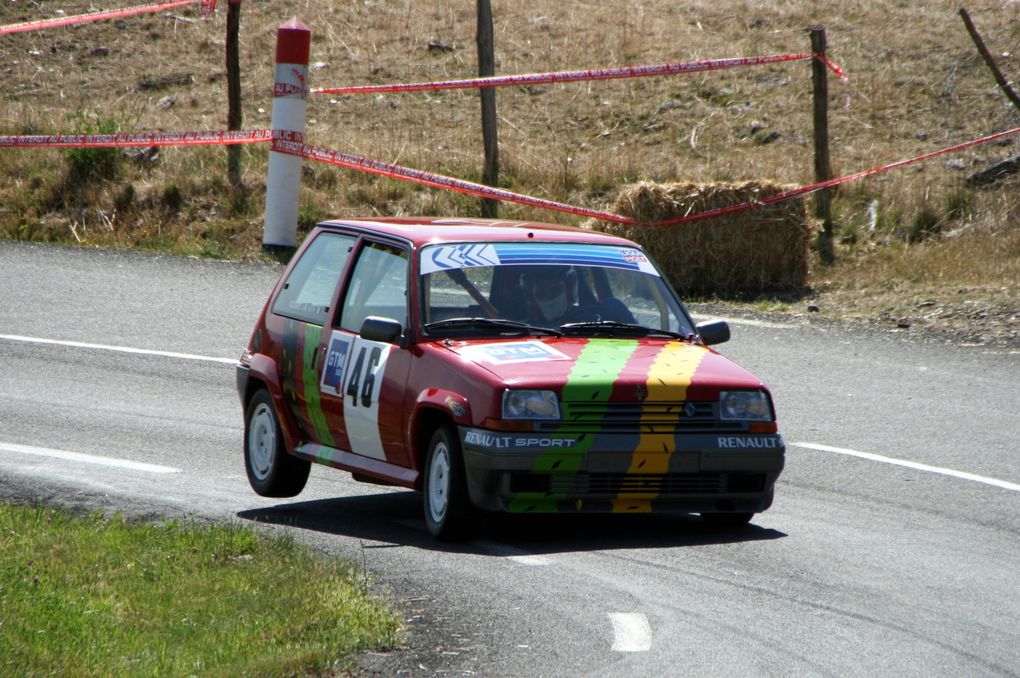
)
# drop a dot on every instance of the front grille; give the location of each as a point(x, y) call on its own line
point(635, 417)
point(664, 485)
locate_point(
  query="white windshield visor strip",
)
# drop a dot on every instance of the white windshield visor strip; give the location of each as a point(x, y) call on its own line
point(471, 255)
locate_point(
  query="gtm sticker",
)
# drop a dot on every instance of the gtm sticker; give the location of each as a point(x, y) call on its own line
point(336, 359)
point(513, 352)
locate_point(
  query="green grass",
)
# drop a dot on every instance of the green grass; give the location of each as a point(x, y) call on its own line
point(97, 596)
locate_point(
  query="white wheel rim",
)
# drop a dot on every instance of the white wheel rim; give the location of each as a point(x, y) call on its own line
point(439, 482)
point(261, 441)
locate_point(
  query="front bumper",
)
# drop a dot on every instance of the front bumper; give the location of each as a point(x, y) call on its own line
point(621, 473)
point(242, 374)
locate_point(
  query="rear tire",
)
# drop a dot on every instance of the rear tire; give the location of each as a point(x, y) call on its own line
point(727, 520)
point(448, 510)
point(272, 472)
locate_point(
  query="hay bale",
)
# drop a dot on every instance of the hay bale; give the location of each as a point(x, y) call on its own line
point(760, 250)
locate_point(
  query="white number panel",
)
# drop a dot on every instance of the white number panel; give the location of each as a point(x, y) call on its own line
point(363, 377)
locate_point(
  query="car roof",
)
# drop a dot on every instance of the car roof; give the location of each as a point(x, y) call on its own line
point(426, 230)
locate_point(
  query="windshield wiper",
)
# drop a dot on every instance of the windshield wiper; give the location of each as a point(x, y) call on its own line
point(490, 323)
point(614, 327)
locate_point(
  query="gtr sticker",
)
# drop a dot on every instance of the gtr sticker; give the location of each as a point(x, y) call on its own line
point(362, 381)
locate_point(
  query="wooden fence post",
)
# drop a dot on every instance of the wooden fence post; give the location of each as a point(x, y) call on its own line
point(823, 164)
point(982, 49)
point(234, 115)
point(490, 137)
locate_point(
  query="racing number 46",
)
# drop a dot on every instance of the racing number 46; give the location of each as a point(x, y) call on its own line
point(363, 376)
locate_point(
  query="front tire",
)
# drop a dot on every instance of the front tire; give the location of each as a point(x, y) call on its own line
point(272, 472)
point(448, 509)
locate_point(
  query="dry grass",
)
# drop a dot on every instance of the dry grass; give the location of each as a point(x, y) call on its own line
point(916, 84)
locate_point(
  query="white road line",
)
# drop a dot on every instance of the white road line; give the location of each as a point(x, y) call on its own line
point(1013, 487)
point(516, 555)
point(118, 349)
point(631, 632)
point(756, 323)
point(533, 561)
point(87, 458)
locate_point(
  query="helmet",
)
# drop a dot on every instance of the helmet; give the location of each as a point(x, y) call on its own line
point(548, 287)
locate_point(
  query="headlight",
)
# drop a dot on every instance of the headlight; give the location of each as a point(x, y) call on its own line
point(530, 405)
point(745, 405)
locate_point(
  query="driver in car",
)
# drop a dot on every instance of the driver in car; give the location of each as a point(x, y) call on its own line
point(552, 292)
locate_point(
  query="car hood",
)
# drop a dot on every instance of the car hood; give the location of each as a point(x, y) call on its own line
point(615, 369)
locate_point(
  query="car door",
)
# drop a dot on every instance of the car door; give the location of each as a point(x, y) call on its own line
point(363, 382)
point(295, 327)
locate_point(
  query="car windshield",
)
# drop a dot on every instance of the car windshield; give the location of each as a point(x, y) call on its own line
point(582, 290)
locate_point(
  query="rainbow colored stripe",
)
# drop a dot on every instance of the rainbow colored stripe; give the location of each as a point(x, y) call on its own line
point(600, 364)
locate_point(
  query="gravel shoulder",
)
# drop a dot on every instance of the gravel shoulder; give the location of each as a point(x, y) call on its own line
point(966, 316)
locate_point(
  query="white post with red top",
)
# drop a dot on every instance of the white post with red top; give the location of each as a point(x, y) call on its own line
point(290, 94)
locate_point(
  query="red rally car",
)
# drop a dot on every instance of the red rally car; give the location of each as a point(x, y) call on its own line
point(500, 366)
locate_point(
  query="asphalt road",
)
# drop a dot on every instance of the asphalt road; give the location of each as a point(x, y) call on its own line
point(893, 547)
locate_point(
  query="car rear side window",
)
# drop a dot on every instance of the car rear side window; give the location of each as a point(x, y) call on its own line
point(309, 289)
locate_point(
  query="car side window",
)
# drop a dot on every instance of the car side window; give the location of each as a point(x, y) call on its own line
point(378, 287)
point(309, 289)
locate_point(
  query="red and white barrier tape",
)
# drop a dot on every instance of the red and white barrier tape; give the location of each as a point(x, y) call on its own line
point(284, 145)
point(217, 138)
point(289, 143)
point(577, 76)
point(805, 190)
point(208, 6)
point(832, 66)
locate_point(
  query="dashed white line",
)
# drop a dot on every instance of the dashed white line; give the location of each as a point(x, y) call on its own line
point(86, 458)
point(1013, 487)
point(631, 632)
point(117, 349)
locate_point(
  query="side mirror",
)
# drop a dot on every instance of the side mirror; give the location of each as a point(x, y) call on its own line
point(381, 329)
point(713, 332)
